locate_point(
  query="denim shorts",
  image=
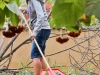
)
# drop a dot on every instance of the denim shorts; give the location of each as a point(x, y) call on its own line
point(41, 38)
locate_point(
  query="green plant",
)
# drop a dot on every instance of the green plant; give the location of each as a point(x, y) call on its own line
point(24, 72)
point(76, 71)
point(67, 72)
point(55, 64)
point(52, 23)
point(89, 67)
point(46, 73)
point(24, 64)
point(9, 8)
point(51, 1)
point(64, 13)
point(49, 61)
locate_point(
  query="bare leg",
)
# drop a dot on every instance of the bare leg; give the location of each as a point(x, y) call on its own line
point(43, 63)
point(37, 66)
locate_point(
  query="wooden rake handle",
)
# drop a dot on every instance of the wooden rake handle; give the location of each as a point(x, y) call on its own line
point(36, 42)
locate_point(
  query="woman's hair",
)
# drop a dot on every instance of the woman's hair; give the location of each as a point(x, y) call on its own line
point(27, 1)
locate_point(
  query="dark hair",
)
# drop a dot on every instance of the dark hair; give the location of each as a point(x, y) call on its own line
point(27, 1)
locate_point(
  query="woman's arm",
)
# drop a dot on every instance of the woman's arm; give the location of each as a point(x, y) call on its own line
point(40, 16)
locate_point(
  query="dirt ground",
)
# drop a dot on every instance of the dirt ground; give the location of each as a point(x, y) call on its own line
point(22, 55)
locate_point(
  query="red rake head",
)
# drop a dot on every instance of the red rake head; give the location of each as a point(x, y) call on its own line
point(52, 72)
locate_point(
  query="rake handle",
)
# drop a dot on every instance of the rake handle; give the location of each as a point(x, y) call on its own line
point(36, 42)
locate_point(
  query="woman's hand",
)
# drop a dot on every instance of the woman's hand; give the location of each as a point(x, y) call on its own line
point(32, 37)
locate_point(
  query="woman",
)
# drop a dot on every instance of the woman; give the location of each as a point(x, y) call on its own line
point(41, 32)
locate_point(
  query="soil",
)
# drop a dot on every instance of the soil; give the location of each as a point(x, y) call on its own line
point(31, 73)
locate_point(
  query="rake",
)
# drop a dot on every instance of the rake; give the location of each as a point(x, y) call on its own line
point(49, 70)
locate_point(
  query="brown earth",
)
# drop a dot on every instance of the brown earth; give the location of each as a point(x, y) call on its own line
point(22, 55)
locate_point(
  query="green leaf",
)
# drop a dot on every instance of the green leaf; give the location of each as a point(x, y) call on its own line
point(65, 1)
point(10, 10)
point(12, 6)
point(51, 21)
point(13, 17)
point(2, 16)
point(17, 1)
point(2, 5)
point(67, 12)
point(94, 10)
point(91, 2)
point(86, 21)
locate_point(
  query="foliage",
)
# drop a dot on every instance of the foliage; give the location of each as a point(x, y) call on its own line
point(24, 64)
point(9, 9)
point(91, 12)
point(67, 12)
point(51, 1)
point(93, 8)
point(70, 13)
point(68, 72)
point(24, 72)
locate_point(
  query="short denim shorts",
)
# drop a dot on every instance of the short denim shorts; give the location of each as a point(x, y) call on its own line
point(41, 38)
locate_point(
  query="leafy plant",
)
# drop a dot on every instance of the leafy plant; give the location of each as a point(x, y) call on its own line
point(51, 1)
point(67, 12)
point(49, 61)
point(24, 64)
point(76, 71)
point(9, 9)
point(68, 72)
point(89, 67)
point(24, 70)
point(93, 8)
point(55, 64)
point(46, 73)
